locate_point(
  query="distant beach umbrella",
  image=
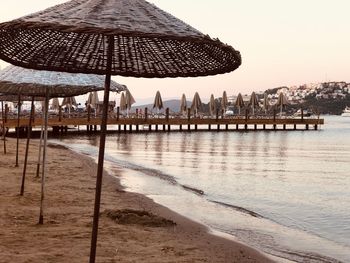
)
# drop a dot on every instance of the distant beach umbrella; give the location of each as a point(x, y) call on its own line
point(224, 101)
point(282, 101)
point(158, 103)
point(55, 104)
point(122, 103)
point(129, 99)
point(92, 100)
point(69, 102)
point(253, 102)
point(114, 37)
point(239, 103)
point(212, 106)
point(196, 103)
point(266, 104)
point(183, 104)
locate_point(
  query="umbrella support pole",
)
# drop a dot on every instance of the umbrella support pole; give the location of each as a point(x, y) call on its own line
point(40, 146)
point(3, 126)
point(41, 215)
point(101, 150)
point(18, 116)
point(27, 145)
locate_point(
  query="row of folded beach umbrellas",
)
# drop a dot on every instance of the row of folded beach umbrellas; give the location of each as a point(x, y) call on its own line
point(144, 42)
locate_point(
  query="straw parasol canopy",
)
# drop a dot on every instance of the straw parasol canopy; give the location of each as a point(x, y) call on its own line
point(196, 103)
point(253, 102)
point(73, 36)
point(183, 104)
point(212, 105)
point(239, 102)
point(158, 103)
point(112, 37)
point(17, 80)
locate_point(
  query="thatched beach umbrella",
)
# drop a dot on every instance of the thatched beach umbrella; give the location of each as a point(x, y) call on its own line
point(253, 102)
point(224, 102)
point(196, 103)
point(158, 102)
point(282, 101)
point(212, 106)
point(134, 38)
point(183, 104)
point(32, 83)
point(239, 103)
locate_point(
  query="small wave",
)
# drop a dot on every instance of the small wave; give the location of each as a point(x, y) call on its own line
point(194, 190)
point(239, 208)
point(299, 256)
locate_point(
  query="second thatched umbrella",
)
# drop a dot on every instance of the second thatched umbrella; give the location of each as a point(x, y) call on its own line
point(32, 83)
point(144, 41)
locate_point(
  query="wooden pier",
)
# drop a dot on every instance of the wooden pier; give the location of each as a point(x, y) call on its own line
point(136, 123)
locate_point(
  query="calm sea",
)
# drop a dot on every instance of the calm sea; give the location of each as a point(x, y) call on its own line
point(286, 193)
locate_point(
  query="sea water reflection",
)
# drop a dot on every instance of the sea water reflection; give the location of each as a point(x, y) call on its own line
point(285, 192)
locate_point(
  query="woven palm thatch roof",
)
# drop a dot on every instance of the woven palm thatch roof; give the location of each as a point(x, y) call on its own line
point(17, 80)
point(148, 42)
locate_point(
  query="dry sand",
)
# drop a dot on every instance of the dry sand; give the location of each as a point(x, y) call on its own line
point(147, 235)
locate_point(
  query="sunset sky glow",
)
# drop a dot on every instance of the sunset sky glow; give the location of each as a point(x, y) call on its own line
point(289, 42)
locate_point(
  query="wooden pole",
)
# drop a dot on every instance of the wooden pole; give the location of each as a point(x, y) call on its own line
point(60, 113)
point(3, 126)
point(167, 114)
point(302, 114)
point(18, 117)
point(43, 168)
point(189, 118)
point(6, 112)
point(27, 146)
point(40, 146)
point(118, 113)
point(101, 150)
point(146, 114)
point(88, 112)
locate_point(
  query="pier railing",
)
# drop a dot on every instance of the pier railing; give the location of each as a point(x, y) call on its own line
point(145, 121)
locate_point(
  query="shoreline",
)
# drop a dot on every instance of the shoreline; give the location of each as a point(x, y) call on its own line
point(66, 232)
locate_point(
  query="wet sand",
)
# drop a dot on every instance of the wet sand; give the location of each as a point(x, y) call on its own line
point(132, 227)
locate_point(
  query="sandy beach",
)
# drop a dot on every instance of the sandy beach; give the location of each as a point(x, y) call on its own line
point(146, 232)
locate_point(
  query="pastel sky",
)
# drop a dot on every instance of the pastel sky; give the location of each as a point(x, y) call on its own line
point(282, 42)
